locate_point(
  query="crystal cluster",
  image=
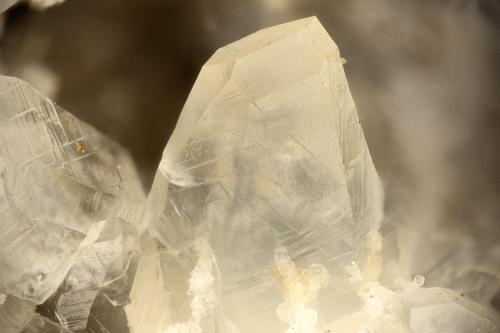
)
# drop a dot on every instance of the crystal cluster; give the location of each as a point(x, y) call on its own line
point(69, 203)
point(264, 215)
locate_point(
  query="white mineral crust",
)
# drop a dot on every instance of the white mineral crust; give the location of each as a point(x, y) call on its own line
point(268, 164)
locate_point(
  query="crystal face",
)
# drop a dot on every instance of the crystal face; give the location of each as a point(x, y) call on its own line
point(269, 169)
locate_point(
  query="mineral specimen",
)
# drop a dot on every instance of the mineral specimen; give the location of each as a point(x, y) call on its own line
point(66, 192)
point(266, 192)
point(263, 216)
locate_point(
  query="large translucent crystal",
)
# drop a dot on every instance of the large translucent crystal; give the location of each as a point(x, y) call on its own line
point(62, 186)
point(266, 195)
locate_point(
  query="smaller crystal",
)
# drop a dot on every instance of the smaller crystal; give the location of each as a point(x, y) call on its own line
point(61, 184)
point(101, 263)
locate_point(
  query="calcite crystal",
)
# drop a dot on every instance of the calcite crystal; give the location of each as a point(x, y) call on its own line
point(269, 170)
point(69, 202)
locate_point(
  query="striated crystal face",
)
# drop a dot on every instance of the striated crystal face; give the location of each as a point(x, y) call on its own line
point(63, 186)
point(266, 192)
point(100, 278)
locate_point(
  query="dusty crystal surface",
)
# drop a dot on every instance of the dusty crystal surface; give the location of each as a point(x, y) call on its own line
point(266, 192)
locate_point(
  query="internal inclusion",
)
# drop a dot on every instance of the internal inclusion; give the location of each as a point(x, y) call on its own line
point(264, 214)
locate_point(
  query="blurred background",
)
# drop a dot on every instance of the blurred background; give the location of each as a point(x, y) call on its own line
point(425, 75)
